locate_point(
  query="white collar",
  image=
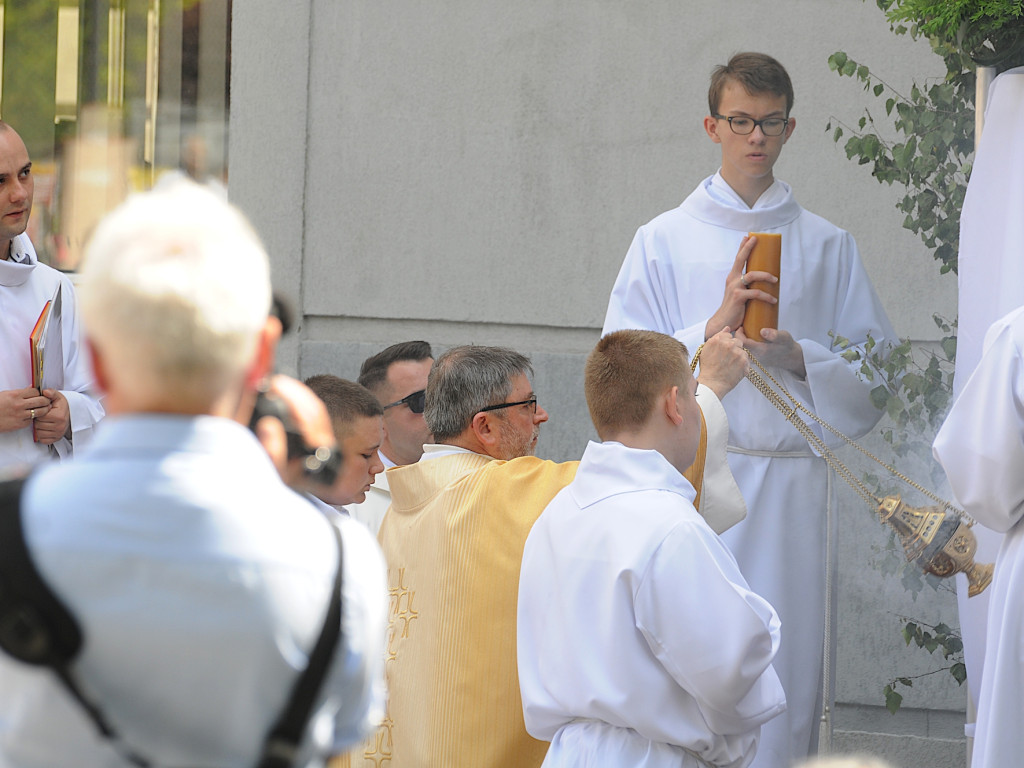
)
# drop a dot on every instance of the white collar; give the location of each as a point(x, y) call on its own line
point(721, 192)
point(18, 268)
point(436, 451)
point(715, 203)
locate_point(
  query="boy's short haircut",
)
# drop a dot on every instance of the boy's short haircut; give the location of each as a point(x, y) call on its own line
point(626, 373)
point(373, 373)
point(346, 401)
point(757, 72)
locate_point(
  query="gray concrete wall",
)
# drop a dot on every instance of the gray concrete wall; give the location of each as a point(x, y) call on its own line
point(474, 172)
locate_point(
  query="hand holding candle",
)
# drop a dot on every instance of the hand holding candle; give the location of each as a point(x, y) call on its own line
point(766, 257)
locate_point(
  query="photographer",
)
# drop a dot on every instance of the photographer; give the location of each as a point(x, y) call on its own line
point(199, 581)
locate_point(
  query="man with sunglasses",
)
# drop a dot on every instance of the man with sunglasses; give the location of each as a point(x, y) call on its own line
point(397, 377)
point(684, 275)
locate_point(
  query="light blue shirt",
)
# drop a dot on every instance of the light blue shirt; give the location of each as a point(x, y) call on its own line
point(200, 582)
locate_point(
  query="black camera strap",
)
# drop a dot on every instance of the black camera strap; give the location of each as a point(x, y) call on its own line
point(38, 629)
point(282, 743)
point(35, 627)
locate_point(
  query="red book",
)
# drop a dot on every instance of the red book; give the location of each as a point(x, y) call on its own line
point(46, 348)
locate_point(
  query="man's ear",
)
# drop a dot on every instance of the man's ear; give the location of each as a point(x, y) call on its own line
point(485, 430)
point(711, 128)
point(671, 405)
point(266, 348)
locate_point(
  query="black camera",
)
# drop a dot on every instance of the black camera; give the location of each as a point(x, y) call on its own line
point(322, 464)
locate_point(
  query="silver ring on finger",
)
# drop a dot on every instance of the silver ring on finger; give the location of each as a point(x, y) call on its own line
point(32, 413)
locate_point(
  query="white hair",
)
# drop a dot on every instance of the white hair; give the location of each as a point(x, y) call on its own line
point(174, 291)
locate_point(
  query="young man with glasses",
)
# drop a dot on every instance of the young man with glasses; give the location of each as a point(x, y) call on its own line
point(684, 275)
point(397, 377)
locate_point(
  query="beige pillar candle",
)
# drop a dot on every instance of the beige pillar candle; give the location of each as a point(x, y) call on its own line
point(766, 257)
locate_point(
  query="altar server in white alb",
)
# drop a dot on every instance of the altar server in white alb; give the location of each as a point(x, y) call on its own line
point(639, 641)
point(35, 425)
point(981, 447)
point(684, 276)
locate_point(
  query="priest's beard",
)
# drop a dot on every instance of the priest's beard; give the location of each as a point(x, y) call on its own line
point(516, 442)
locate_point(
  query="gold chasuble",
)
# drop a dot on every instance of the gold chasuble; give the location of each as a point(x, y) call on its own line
point(453, 540)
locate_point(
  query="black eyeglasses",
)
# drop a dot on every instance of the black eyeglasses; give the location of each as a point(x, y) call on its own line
point(532, 402)
point(416, 401)
point(744, 126)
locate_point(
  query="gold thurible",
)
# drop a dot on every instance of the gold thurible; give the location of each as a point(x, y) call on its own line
point(938, 540)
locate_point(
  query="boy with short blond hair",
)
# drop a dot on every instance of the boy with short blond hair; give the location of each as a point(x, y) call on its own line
point(639, 642)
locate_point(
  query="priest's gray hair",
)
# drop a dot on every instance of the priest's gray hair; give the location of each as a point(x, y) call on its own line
point(466, 379)
point(174, 293)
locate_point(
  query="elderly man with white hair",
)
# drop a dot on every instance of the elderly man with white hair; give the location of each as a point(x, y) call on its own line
point(200, 582)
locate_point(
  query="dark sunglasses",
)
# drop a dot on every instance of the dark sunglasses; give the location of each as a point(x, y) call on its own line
point(416, 401)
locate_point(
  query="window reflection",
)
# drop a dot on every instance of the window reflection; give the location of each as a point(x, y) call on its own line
point(111, 96)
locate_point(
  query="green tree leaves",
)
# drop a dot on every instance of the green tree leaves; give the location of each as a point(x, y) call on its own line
point(930, 638)
point(914, 385)
point(988, 31)
point(936, 123)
